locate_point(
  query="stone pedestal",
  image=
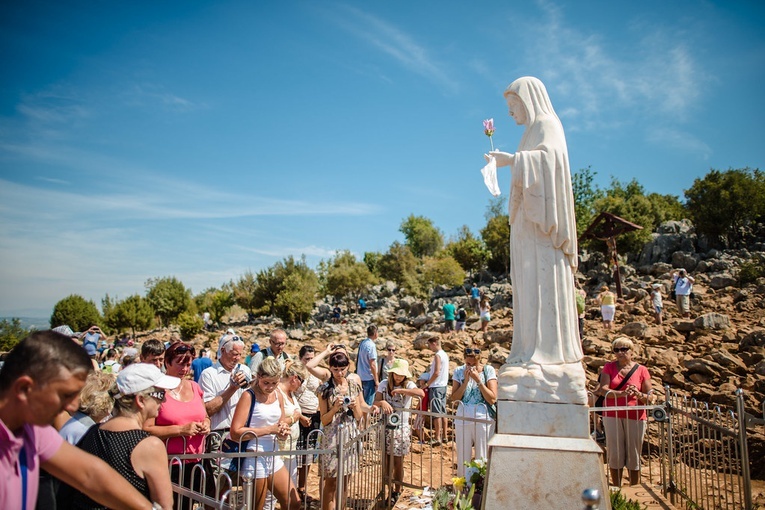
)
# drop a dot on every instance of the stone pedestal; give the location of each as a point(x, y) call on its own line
point(543, 457)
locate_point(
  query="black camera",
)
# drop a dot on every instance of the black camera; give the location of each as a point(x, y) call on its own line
point(394, 421)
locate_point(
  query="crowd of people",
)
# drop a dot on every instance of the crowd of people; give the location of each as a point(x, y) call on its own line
point(129, 412)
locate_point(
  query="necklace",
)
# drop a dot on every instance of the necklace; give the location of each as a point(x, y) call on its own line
point(176, 393)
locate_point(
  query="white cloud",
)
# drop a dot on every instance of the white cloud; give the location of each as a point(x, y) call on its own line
point(395, 43)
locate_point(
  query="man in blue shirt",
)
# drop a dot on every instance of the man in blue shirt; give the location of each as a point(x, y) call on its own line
point(200, 364)
point(366, 365)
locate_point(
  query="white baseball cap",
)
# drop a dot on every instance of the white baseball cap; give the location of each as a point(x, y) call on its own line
point(138, 377)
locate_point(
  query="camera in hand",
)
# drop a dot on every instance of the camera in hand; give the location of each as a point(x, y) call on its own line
point(394, 421)
point(347, 401)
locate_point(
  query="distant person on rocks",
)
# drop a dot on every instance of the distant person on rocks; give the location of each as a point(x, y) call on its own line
point(336, 314)
point(437, 383)
point(607, 301)
point(362, 305)
point(277, 341)
point(656, 302)
point(449, 316)
point(42, 377)
point(475, 297)
point(461, 319)
point(366, 365)
point(683, 284)
point(484, 313)
point(202, 362)
point(254, 349)
point(153, 353)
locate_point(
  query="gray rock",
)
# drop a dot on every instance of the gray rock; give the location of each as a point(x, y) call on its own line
point(421, 341)
point(421, 320)
point(712, 321)
point(721, 281)
point(752, 340)
point(417, 308)
point(702, 366)
point(634, 329)
point(296, 334)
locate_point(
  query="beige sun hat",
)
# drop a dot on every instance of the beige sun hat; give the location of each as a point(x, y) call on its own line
point(400, 367)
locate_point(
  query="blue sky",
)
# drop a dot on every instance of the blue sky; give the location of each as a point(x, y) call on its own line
point(202, 139)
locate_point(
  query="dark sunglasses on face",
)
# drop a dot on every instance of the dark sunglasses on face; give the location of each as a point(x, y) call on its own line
point(159, 395)
point(621, 349)
point(471, 352)
point(391, 350)
point(299, 379)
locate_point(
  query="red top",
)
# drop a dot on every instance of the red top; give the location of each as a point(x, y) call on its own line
point(636, 379)
point(175, 412)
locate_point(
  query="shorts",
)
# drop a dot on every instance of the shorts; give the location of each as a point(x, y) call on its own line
point(460, 326)
point(369, 388)
point(486, 317)
point(449, 325)
point(657, 310)
point(683, 303)
point(608, 312)
point(437, 399)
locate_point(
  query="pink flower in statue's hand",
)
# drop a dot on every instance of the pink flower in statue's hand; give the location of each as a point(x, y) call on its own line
point(488, 127)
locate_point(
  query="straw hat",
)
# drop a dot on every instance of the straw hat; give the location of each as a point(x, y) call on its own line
point(400, 367)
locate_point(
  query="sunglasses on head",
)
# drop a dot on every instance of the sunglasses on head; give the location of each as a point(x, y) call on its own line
point(621, 349)
point(183, 349)
point(159, 395)
point(471, 352)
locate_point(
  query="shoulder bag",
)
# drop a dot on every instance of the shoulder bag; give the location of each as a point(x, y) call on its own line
point(602, 399)
point(231, 446)
point(492, 408)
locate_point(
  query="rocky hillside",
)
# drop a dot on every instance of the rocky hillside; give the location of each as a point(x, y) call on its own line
point(707, 357)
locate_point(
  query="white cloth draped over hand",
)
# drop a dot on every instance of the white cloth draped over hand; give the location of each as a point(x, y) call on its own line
point(489, 173)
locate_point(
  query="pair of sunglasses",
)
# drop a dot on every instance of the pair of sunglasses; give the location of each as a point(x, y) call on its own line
point(159, 395)
point(471, 352)
point(391, 350)
point(621, 349)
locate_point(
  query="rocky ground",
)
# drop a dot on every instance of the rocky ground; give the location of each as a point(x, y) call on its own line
point(720, 349)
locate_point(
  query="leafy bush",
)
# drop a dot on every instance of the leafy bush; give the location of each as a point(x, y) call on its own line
point(189, 324)
point(496, 237)
point(345, 277)
point(76, 312)
point(441, 271)
point(468, 250)
point(722, 203)
point(216, 302)
point(168, 297)
point(620, 502)
point(11, 333)
point(400, 265)
point(132, 313)
point(750, 271)
point(244, 292)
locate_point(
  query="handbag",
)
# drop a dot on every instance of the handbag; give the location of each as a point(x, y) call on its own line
point(492, 408)
point(602, 399)
point(231, 446)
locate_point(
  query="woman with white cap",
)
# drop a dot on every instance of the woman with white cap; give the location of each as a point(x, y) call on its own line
point(137, 455)
point(394, 395)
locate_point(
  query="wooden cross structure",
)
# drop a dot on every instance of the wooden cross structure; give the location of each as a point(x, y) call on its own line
point(605, 228)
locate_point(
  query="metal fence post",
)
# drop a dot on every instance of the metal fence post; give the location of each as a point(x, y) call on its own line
point(741, 415)
point(339, 499)
point(670, 446)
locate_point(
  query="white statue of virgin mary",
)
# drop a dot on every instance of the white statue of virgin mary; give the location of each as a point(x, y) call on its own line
point(543, 248)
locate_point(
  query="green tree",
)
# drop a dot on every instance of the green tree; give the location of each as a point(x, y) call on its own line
point(422, 237)
point(721, 204)
point(629, 201)
point(372, 260)
point(296, 300)
point(400, 265)
point(586, 193)
point(468, 250)
point(167, 297)
point(189, 324)
point(133, 313)
point(496, 236)
point(215, 301)
point(76, 312)
point(244, 292)
point(269, 284)
point(11, 333)
point(347, 278)
point(441, 271)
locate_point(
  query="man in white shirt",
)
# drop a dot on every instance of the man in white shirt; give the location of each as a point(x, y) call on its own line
point(223, 385)
point(683, 287)
point(437, 383)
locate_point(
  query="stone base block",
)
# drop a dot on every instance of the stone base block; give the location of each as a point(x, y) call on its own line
point(542, 419)
point(534, 472)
